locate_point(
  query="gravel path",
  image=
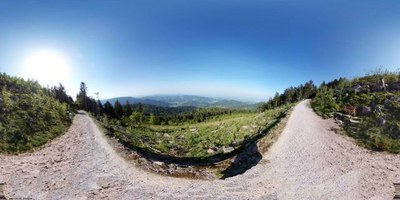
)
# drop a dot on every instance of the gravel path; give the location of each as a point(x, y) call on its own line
point(309, 161)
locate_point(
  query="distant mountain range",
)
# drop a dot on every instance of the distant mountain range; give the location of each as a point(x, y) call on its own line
point(182, 100)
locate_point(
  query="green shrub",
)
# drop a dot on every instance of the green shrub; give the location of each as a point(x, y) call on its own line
point(324, 102)
point(29, 117)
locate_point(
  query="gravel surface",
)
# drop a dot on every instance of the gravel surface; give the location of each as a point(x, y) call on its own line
point(309, 161)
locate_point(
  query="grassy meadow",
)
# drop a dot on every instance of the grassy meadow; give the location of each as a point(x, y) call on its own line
point(218, 134)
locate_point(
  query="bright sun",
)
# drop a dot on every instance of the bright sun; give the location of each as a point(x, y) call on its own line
point(47, 67)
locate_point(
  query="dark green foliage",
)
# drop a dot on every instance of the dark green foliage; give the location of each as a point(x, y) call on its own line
point(290, 95)
point(59, 93)
point(87, 103)
point(141, 114)
point(82, 98)
point(30, 115)
point(161, 111)
point(128, 109)
point(324, 102)
point(153, 120)
point(100, 107)
point(109, 110)
point(119, 112)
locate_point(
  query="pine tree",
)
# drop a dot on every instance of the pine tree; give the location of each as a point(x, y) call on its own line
point(128, 108)
point(153, 119)
point(109, 110)
point(100, 107)
point(119, 112)
point(82, 98)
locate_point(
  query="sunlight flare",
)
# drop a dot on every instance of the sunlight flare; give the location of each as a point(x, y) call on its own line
point(46, 66)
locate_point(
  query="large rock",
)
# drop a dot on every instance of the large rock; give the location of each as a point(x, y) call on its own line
point(350, 110)
point(364, 110)
point(166, 135)
point(373, 105)
point(339, 114)
point(388, 101)
point(354, 122)
point(193, 130)
point(394, 86)
point(228, 149)
point(211, 151)
point(377, 88)
point(159, 163)
point(381, 121)
point(393, 99)
point(364, 90)
point(355, 88)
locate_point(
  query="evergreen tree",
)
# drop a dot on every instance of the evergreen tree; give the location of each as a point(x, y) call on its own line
point(290, 95)
point(128, 108)
point(100, 107)
point(275, 100)
point(153, 119)
point(82, 98)
point(118, 110)
point(136, 118)
point(140, 108)
point(109, 110)
point(324, 101)
point(60, 94)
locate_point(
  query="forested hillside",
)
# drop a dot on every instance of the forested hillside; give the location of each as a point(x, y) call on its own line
point(31, 115)
point(368, 107)
point(175, 101)
point(290, 95)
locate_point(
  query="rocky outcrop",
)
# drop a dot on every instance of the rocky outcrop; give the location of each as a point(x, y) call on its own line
point(394, 86)
point(228, 149)
point(347, 119)
point(377, 87)
point(363, 110)
point(381, 121)
point(350, 110)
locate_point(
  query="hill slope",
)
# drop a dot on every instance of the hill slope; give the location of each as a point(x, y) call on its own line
point(133, 100)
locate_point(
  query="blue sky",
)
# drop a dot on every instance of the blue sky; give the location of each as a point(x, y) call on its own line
point(237, 49)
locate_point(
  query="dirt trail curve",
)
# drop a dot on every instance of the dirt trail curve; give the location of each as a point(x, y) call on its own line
point(309, 161)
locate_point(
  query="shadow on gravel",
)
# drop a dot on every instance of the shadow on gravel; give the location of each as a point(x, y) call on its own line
point(243, 161)
point(250, 155)
point(81, 112)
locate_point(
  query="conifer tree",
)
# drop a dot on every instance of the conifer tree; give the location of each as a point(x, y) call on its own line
point(119, 112)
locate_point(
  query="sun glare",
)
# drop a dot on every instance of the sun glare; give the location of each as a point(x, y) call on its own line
point(47, 67)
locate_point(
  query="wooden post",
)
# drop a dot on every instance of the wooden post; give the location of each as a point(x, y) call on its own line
point(2, 191)
point(396, 191)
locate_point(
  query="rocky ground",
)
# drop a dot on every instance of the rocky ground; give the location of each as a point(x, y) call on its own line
point(309, 161)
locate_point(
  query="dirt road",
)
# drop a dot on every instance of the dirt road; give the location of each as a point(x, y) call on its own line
point(309, 161)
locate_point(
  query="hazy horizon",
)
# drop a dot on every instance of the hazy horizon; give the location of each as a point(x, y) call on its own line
point(225, 49)
point(175, 95)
